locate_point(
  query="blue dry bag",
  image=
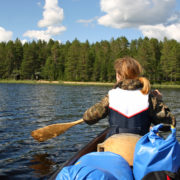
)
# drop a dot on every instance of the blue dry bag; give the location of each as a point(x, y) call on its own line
point(97, 166)
point(154, 153)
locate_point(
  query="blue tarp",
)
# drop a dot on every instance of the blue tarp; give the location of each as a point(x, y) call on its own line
point(98, 166)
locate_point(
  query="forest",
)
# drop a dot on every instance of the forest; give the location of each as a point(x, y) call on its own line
point(82, 61)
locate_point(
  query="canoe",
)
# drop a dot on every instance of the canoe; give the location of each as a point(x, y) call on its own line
point(90, 147)
point(101, 150)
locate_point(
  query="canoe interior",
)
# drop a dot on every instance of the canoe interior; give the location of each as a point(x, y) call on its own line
point(90, 147)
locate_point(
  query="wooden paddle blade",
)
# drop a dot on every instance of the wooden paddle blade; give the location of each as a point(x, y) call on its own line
point(51, 131)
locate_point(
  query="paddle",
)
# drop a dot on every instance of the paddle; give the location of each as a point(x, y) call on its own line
point(51, 131)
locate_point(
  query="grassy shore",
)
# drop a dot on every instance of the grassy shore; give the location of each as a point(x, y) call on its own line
point(79, 83)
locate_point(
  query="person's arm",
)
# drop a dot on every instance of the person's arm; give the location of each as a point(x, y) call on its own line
point(97, 111)
point(160, 113)
point(157, 94)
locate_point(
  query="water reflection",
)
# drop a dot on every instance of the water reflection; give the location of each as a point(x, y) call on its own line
point(41, 164)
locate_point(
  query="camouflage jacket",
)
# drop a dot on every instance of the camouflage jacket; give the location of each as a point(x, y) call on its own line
point(158, 111)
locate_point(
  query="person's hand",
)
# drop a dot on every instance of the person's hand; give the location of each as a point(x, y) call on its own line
point(157, 94)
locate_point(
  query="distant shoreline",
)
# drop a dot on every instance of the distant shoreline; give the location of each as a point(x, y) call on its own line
point(56, 82)
point(78, 83)
point(75, 83)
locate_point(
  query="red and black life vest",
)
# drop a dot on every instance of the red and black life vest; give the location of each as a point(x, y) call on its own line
point(128, 112)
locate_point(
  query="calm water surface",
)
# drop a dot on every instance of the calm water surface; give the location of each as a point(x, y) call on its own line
point(26, 107)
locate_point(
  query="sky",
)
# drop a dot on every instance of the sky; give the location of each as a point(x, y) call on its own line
point(92, 20)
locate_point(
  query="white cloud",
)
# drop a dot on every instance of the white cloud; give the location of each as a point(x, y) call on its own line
point(52, 20)
point(87, 21)
point(133, 13)
point(155, 18)
point(52, 14)
point(33, 34)
point(55, 30)
point(160, 31)
point(170, 29)
point(44, 34)
point(5, 35)
point(24, 41)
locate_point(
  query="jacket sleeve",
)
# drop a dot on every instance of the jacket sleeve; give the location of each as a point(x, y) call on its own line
point(97, 111)
point(160, 113)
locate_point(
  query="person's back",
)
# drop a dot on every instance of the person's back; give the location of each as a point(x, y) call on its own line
point(131, 106)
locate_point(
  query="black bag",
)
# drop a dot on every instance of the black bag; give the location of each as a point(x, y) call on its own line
point(162, 175)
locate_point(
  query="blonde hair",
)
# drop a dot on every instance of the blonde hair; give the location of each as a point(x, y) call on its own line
point(129, 68)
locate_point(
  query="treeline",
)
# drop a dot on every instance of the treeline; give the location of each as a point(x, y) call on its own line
point(77, 61)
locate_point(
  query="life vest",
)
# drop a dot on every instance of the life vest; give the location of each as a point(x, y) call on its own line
point(128, 112)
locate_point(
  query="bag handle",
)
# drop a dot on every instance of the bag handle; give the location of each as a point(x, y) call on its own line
point(154, 130)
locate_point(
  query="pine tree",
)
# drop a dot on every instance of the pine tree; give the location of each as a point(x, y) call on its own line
point(84, 61)
point(42, 56)
point(133, 48)
point(144, 56)
point(154, 65)
point(9, 59)
point(63, 60)
point(97, 62)
point(170, 59)
point(72, 61)
point(29, 60)
point(105, 59)
point(90, 63)
point(18, 55)
point(2, 60)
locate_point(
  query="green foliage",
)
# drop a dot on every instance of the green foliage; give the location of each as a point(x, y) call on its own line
point(71, 66)
point(170, 60)
point(2, 60)
point(76, 61)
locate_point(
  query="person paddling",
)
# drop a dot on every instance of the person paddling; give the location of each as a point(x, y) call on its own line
point(131, 105)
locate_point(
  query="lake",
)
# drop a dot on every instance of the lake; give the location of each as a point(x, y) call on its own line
point(26, 107)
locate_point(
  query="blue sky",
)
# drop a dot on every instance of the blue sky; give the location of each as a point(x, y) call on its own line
point(92, 20)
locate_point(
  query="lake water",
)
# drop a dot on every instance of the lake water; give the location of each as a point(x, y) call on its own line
point(26, 107)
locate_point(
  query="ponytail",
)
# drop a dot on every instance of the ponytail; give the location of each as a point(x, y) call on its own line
point(146, 85)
